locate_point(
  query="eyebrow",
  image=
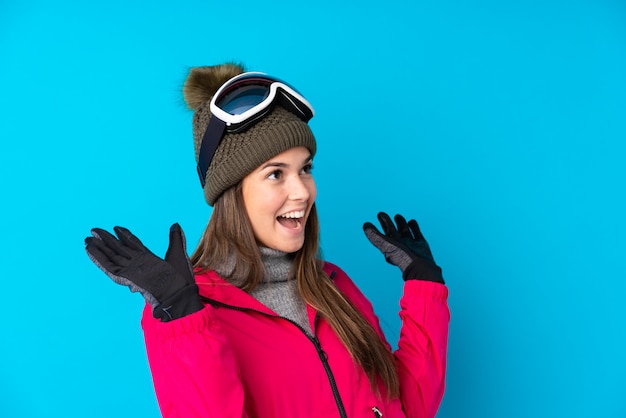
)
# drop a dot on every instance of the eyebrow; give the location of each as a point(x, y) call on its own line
point(282, 165)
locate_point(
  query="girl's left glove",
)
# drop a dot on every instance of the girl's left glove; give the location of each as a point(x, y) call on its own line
point(404, 246)
point(168, 285)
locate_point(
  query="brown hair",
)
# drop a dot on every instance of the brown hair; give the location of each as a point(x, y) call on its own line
point(229, 232)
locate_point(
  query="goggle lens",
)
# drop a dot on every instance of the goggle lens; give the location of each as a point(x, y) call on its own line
point(242, 99)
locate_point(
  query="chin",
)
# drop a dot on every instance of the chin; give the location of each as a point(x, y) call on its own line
point(288, 247)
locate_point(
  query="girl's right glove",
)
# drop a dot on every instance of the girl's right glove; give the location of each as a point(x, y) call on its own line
point(404, 246)
point(168, 285)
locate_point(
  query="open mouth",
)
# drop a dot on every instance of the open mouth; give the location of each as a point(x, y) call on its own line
point(292, 220)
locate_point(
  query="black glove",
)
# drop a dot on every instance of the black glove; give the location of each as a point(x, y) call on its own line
point(404, 247)
point(167, 285)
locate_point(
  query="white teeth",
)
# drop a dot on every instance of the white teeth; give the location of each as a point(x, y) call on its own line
point(295, 214)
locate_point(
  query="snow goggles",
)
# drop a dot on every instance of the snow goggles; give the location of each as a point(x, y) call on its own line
point(240, 103)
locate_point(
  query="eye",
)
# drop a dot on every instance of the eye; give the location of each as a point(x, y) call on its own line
point(307, 169)
point(275, 175)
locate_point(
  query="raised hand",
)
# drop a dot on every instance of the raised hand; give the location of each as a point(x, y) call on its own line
point(403, 245)
point(168, 285)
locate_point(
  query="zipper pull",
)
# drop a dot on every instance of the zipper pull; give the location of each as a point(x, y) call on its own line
point(377, 412)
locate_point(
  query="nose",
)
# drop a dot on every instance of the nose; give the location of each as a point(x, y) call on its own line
point(299, 189)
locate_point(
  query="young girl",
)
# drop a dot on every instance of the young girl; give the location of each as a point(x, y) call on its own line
point(255, 324)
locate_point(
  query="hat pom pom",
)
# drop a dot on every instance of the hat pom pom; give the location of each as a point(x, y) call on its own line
point(203, 82)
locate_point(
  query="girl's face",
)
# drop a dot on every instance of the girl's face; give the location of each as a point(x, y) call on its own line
point(278, 197)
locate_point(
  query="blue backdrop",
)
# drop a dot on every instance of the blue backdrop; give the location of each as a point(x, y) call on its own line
point(500, 126)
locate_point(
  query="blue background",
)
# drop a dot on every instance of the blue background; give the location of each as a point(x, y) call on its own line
point(500, 126)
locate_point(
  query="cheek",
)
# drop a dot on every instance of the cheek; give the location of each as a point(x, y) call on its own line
point(262, 206)
point(312, 191)
point(253, 203)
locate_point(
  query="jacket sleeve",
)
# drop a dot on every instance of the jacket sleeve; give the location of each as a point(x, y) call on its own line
point(422, 347)
point(423, 343)
point(194, 371)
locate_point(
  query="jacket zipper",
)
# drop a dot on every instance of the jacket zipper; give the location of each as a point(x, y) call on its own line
point(329, 372)
point(318, 347)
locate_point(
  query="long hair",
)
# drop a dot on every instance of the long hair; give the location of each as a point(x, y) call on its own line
point(229, 234)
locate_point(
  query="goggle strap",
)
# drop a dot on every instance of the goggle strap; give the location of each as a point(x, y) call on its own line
point(214, 130)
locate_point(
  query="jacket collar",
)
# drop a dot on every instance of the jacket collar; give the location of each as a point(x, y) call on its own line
point(216, 289)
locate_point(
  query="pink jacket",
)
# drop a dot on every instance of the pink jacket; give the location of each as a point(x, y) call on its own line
point(237, 358)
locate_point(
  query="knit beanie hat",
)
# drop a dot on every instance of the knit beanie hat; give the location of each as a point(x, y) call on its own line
point(240, 153)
